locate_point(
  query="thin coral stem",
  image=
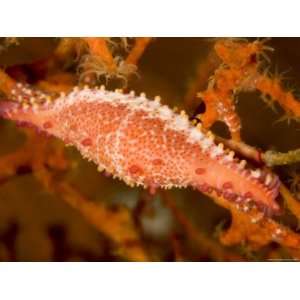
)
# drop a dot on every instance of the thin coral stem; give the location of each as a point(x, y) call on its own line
point(273, 158)
point(203, 70)
point(270, 158)
point(243, 149)
point(138, 49)
point(65, 48)
point(290, 201)
point(6, 83)
point(273, 88)
point(177, 248)
point(98, 47)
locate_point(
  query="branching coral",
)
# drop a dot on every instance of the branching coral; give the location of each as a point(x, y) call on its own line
point(239, 70)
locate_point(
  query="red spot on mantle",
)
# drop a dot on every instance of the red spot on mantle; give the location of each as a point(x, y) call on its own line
point(47, 125)
point(200, 171)
point(227, 185)
point(86, 142)
point(157, 161)
point(248, 195)
point(135, 170)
